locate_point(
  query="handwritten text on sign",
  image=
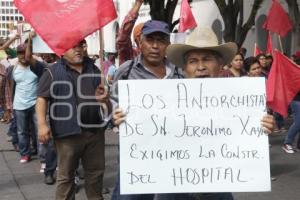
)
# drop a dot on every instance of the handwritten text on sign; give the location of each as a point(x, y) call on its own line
point(193, 136)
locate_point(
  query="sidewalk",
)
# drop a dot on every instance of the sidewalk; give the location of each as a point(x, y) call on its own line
point(24, 182)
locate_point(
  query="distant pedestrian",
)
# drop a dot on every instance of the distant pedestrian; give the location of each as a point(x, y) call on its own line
point(24, 77)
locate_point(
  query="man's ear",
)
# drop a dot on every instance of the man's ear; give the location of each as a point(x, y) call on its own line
point(139, 41)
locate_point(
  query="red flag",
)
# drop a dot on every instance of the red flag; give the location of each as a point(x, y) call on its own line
point(187, 20)
point(269, 49)
point(256, 50)
point(283, 83)
point(64, 23)
point(278, 20)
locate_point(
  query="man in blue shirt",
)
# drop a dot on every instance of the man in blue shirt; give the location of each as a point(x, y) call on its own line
point(24, 77)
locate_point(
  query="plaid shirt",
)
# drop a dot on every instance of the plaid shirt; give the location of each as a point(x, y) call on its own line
point(124, 45)
point(5, 97)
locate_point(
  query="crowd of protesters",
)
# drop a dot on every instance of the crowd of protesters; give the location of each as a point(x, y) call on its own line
point(28, 88)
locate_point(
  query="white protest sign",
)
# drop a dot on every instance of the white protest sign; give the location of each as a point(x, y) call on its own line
point(39, 46)
point(93, 43)
point(193, 135)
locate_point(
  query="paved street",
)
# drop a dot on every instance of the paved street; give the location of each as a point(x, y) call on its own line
point(24, 182)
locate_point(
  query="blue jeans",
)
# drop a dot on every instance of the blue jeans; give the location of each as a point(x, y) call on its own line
point(12, 131)
point(174, 196)
point(1, 111)
point(279, 120)
point(50, 158)
point(295, 127)
point(24, 119)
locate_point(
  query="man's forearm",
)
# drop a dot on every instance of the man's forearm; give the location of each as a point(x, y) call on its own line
point(8, 43)
point(41, 111)
point(28, 52)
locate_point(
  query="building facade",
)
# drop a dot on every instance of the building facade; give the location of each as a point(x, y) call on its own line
point(9, 17)
point(205, 12)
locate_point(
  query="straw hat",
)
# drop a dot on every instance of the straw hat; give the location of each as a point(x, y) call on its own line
point(201, 39)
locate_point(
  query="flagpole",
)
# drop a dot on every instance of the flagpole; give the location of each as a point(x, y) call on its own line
point(280, 43)
point(101, 55)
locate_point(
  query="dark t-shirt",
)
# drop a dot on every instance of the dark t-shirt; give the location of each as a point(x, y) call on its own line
point(297, 97)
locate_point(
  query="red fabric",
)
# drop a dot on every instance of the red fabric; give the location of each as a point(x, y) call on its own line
point(64, 23)
point(256, 50)
point(283, 83)
point(269, 49)
point(124, 44)
point(187, 20)
point(278, 20)
point(297, 54)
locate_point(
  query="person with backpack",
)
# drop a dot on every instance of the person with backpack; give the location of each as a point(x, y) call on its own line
point(199, 57)
point(151, 63)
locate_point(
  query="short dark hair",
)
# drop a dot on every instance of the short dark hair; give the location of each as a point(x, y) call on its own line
point(260, 55)
point(250, 61)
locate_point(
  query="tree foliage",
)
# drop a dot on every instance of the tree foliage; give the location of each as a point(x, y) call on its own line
point(232, 12)
point(163, 10)
point(160, 11)
point(294, 12)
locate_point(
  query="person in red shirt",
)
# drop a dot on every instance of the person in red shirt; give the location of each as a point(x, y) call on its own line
point(124, 44)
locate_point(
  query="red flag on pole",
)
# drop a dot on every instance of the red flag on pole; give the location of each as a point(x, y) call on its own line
point(283, 83)
point(269, 49)
point(278, 20)
point(256, 50)
point(64, 23)
point(187, 20)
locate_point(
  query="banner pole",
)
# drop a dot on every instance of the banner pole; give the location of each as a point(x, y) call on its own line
point(101, 55)
point(280, 43)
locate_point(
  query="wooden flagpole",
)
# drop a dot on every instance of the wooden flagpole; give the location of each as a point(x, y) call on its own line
point(101, 56)
point(254, 51)
point(280, 43)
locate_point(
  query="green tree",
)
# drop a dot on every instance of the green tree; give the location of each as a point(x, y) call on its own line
point(232, 12)
point(159, 10)
point(295, 17)
point(163, 10)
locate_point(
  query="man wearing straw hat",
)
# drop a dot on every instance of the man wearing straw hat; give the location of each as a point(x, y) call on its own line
point(200, 57)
